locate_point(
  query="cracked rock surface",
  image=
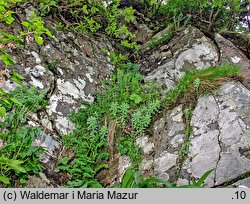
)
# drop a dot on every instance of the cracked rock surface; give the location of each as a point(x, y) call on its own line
point(168, 63)
point(71, 68)
point(220, 137)
point(221, 133)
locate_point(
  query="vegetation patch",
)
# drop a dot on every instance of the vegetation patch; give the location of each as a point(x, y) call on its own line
point(93, 16)
point(132, 179)
point(199, 82)
point(126, 106)
point(19, 155)
point(110, 125)
point(123, 111)
point(194, 84)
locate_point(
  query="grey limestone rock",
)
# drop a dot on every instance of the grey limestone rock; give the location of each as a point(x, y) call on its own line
point(168, 63)
point(220, 137)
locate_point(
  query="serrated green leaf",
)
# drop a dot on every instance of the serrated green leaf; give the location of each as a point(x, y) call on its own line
point(9, 19)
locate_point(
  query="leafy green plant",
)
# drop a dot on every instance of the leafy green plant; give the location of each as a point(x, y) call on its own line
point(143, 117)
point(90, 149)
point(6, 98)
point(46, 6)
point(211, 14)
point(6, 15)
point(34, 29)
point(123, 111)
point(122, 115)
point(130, 45)
point(181, 20)
point(194, 84)
point(128, 14)
point(127, 146)
point(199, 183)
point(19, 156)
point(209, 80)
point(123, 95)
point(29, 98)
point(117, 59)
point(51, 64)
point(126, 106)
point(35, 26)
point(93, 16)
point(132, 179)
point(151, 7)
point(184, 149)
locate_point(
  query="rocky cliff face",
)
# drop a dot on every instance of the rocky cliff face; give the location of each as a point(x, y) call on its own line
point(71, 68)
point(68, 69)
point(220, 122)
point(219, 139)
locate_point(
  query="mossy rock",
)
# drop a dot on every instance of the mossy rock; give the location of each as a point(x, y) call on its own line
point(159, 39)
point(242, 41)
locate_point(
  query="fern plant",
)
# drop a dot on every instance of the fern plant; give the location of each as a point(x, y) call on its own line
point(142, 118)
